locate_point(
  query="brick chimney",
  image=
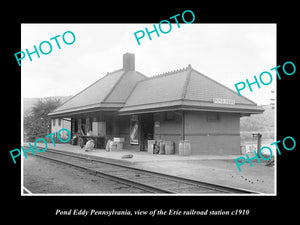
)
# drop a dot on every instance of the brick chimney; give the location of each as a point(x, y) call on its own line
point(128, 61)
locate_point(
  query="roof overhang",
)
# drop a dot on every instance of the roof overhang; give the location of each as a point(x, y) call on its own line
point(244, 110)
point(181, 108)
point(81, 110)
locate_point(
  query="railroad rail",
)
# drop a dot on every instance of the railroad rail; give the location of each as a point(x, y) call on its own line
point(148, 181)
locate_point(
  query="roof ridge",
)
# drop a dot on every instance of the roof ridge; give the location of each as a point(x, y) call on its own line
point(187, 81)
point(171, 72)
point(107, 74)
point(201, 74)
point(141, 74)
point(114, 86)
point(132, 90)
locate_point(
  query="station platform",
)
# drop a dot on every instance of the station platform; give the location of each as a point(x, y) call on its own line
point(138, 156)
point(219, 169)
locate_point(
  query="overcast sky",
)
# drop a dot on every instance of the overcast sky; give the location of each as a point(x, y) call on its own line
point(228, 53)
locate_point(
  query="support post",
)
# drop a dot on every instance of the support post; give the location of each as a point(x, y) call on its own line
point(183, 126)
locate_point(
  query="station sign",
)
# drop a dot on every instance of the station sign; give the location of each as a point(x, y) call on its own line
point(224, 101)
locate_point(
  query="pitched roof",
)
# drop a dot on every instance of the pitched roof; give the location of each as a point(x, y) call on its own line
point(130, 92)
point(184, 89)
point(110, 91)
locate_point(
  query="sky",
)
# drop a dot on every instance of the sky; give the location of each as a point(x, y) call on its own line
point(227, 53)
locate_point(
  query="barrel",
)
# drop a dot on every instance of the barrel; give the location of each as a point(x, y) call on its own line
point(187, 148)
point(184, 147)
point(151, 144)
point(161, 148)
point(181, 147)
point(169, 147)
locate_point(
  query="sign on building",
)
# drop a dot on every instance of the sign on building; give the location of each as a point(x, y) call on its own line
point(223, 101)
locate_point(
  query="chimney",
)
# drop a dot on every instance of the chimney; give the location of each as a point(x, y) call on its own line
point(128, 62)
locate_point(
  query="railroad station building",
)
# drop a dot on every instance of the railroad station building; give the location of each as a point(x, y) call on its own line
point(178, 105)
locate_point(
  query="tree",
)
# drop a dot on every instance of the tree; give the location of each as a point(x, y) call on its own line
point(37, 124)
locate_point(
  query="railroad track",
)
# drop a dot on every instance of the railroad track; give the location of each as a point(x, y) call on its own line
point(148, 181)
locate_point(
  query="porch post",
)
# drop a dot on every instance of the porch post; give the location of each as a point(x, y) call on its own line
point(183, 125)
point(140, 134)
point(115, 131)
point(73, 121)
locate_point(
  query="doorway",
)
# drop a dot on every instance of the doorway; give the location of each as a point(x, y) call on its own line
point(147, 130)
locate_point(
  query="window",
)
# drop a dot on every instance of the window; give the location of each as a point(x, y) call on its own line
point(53, 122)
point(213, 117)
point(59, 122)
